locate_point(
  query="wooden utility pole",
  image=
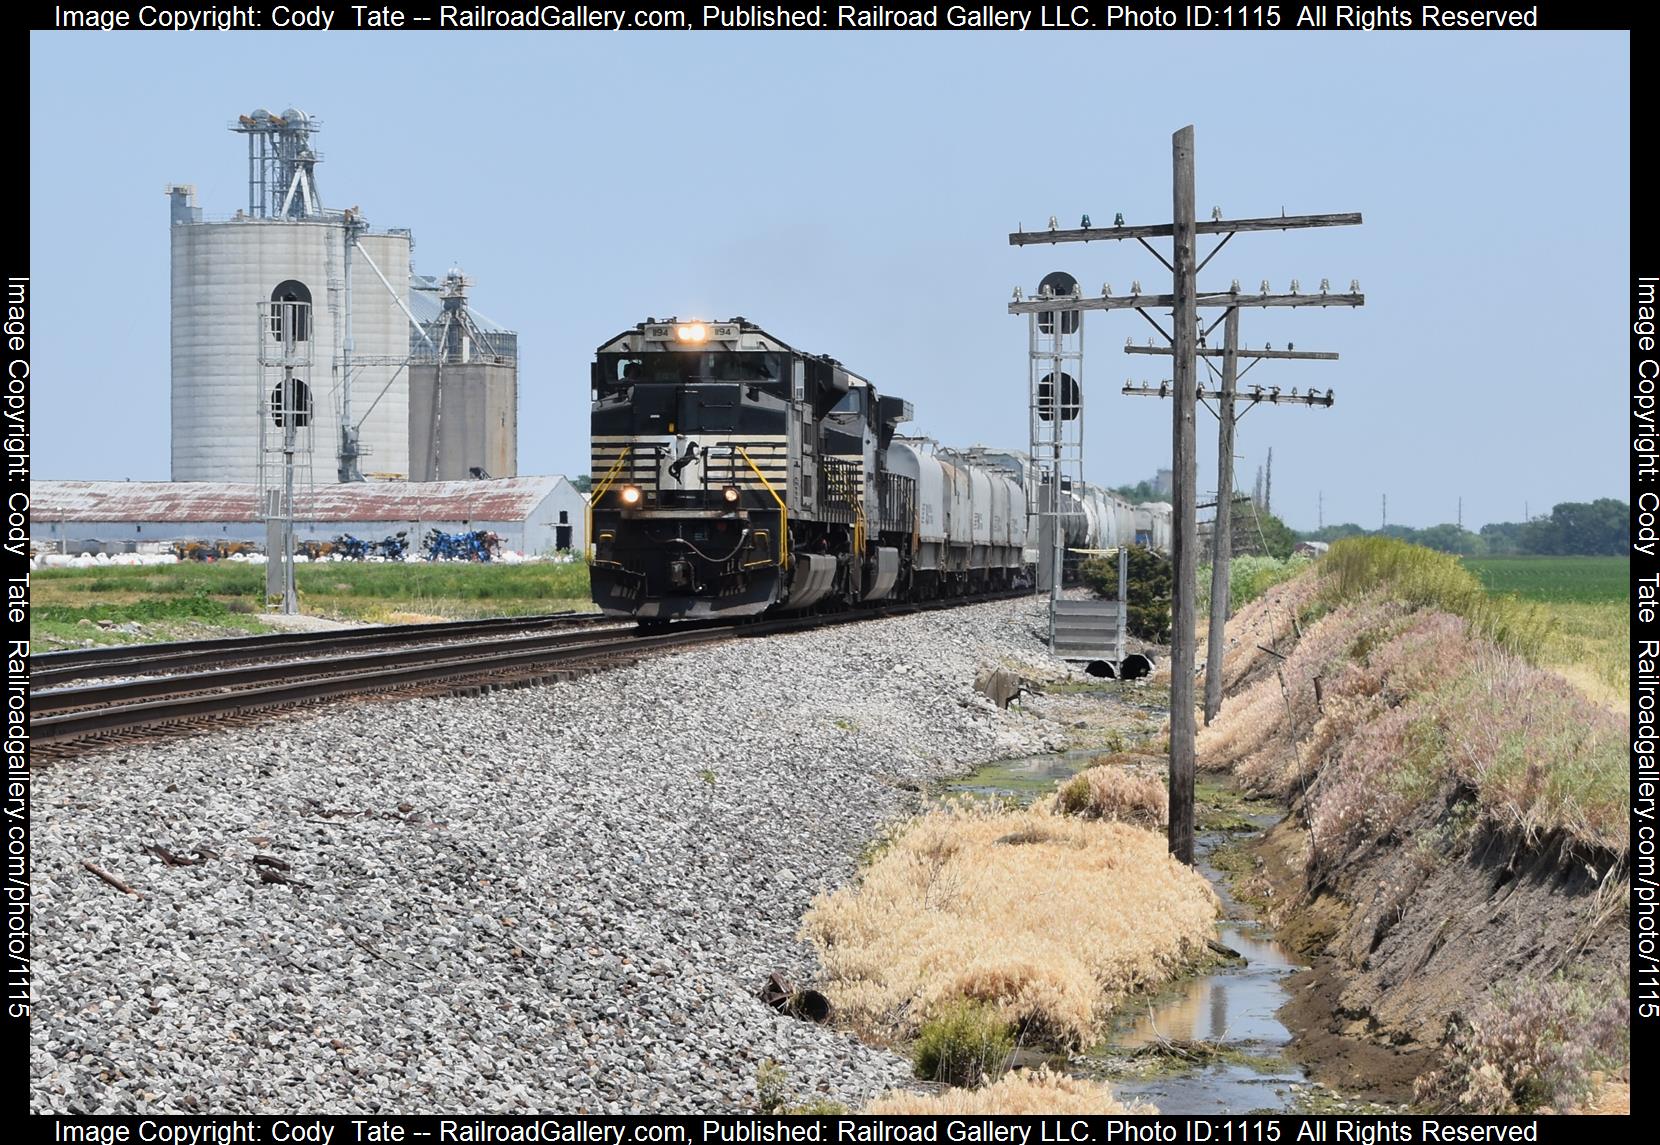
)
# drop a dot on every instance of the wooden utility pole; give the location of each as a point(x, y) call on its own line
point(1184, 302)
point(1221, 559)
point(1221, 529)
point(1184, 529)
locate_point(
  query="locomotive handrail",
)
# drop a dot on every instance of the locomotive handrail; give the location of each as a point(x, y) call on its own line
point(588, 546)
point(783, 510)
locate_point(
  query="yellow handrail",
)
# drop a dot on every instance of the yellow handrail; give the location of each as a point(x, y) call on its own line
point(595, 495)
point(783, 510)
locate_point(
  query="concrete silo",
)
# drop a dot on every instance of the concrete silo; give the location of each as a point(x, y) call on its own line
point(286, 246)
point(463, 387)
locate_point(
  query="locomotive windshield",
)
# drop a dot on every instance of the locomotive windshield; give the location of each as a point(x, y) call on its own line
point(750, 367)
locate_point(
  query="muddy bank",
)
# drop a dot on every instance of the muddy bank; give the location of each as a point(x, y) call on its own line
point(1408, 937)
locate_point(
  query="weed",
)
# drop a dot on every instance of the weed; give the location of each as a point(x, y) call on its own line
point(964, 1044)
point(707, 775)
point(771, 1086)
point(1529, 1047)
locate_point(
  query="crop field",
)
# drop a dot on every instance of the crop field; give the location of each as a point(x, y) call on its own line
point(122, 604)
point(1588, 602)
point(1556, 580)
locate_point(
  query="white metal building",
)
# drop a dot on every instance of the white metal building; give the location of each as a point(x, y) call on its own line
point(532, 515)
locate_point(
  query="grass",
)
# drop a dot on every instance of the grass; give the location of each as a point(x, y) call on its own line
point(1422, 578)
point(230, 594)
point(964, 1044)
point(1114, 792)
point(1588, 602)
point(1425, 690)
point(1047, 919)
point(1038, 1091)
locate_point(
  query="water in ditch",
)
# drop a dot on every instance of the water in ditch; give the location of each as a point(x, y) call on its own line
point(1211, 1043)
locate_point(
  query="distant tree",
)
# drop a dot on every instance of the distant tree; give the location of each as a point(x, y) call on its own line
point(1333, 533)
point(1576, 528)
point(1450, 538)
point(1503, 538)
point(583, 484)
point(1140, 493)
point(1263, 534)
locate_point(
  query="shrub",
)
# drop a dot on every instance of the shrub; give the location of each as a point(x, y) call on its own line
point(1248, 578)
point(1148, 608)
point(964, 1044)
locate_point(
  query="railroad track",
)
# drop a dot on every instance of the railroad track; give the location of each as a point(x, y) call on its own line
point(50, 669)
point(182, 688)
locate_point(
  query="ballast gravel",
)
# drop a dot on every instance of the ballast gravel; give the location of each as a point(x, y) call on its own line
point(551, 899)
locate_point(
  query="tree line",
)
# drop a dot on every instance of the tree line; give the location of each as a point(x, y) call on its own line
point(1573, 528)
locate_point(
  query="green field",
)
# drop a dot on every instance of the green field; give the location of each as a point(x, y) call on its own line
point(1556, 580)
point(1588, 601)
point(193, 599)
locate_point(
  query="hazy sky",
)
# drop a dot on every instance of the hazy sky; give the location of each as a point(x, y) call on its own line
point(852, 192)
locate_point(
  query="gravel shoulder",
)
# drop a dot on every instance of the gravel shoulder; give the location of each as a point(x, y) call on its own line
point(553, 899)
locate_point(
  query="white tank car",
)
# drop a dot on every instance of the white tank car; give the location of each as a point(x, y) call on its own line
point(1152, 525)
point(1125, 513)
point(1016, 468)
point(971, 517)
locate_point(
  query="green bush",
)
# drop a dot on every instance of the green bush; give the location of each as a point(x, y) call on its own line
point(1248, 578)
point(964, 1044)
point(1149, 590)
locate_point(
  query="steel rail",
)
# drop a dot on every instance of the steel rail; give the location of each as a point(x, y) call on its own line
point(50, 668)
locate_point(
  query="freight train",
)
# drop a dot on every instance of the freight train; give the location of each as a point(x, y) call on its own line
point(734, 474)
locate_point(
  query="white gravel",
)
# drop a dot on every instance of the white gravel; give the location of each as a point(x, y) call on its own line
point(554, 899)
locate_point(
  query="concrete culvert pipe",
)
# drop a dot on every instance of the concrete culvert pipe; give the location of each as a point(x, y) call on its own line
point(1099, 669)
point(1136, 666)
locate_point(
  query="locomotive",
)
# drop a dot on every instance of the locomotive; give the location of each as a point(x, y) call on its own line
point(734, 474)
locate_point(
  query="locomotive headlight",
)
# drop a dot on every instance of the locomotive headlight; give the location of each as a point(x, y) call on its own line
point(730, 493)
point(631, 494)
point(691, 332)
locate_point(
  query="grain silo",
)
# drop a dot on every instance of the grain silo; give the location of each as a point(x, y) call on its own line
point(286, 246)
point(463, 386)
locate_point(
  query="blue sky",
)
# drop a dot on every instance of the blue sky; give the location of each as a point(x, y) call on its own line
point(853, 192)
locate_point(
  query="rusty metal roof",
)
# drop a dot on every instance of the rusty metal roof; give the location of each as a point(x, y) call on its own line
point(504, 499)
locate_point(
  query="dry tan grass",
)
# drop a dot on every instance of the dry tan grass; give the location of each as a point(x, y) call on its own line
point(1115, 792)
point(1048, 918)
point(1023, 1091)
point(1411, 698)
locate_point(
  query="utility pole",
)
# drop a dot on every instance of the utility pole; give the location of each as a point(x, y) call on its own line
point(1268, 485)
point(1320, 512)
point(1385, 524)
point(1184, 303)
point(1461, 514)
point(1184, 529)
point(1221, 530)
